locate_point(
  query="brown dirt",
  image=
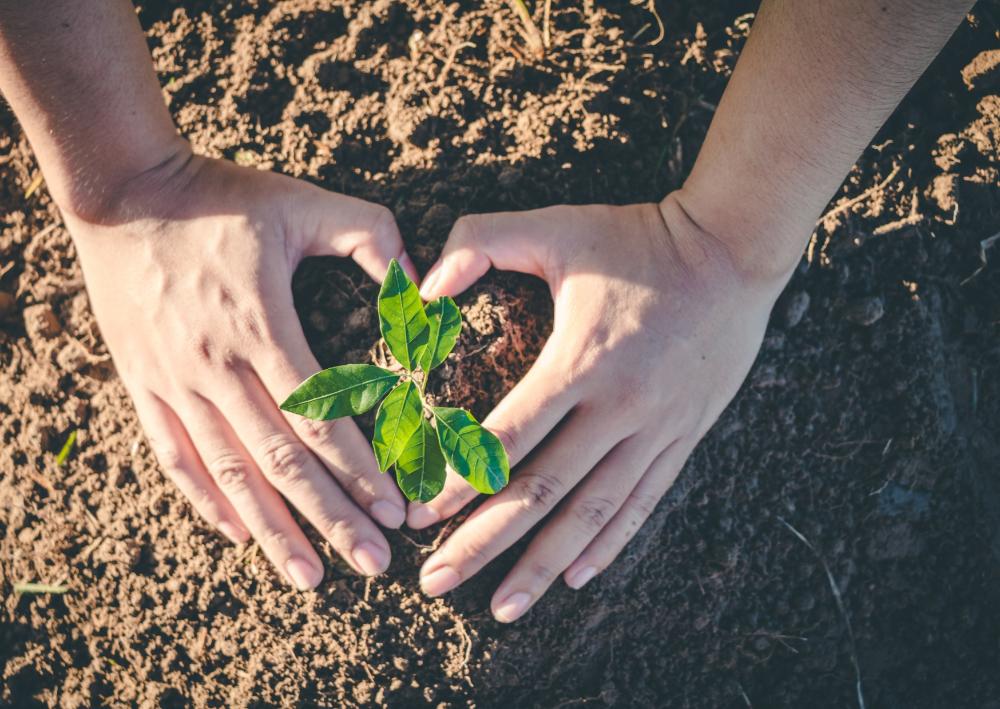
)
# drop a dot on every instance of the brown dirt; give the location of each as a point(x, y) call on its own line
point(868, 423)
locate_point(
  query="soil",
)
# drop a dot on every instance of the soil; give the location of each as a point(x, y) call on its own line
point(867, 426)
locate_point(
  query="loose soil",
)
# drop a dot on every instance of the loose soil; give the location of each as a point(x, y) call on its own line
point(868, 424)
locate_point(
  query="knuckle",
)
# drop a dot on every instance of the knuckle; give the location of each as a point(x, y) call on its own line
point(642, 503)
point(467, 230)
point(284, 459)
point(170, 459)
point(203, 350)
point(633, 391)
point(507, 437)
point(474, 553)
point(541, 572)
point(204, 501)
point(230, 471)
point(272, 539)
point(383, 229)
point(594, 512)
point(537, 491)
point(339, 531)
point(315, 433)
point(583, 362)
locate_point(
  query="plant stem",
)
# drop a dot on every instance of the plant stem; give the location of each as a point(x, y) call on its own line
point(531, 34)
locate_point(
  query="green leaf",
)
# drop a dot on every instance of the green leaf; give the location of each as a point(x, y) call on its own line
point(445, 322)
point(420, 469)
point(401, 317)
point(472, 451)
point(397, 419)
point(347, 390)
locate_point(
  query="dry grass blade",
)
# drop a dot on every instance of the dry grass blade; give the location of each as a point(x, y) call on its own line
point(33, 187)
point(37, 588)
point(67, 449)
point(840, 606)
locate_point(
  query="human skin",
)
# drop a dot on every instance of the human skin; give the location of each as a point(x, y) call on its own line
point(188, 263)
point(660, 309)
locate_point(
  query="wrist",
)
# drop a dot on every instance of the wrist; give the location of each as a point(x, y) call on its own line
point(761, 254)
point(126, 191)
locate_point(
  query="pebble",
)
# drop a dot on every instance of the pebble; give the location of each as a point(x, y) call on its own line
point(72, 357)
point(795, 308)
point(866, 311)
point(767, 376)
point(438, 219)
point(7, 304)
point(508, 177)
point(41, 322)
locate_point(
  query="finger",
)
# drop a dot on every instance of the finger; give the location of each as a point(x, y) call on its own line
point(638, 506)
point(263, 511)
point(573, 451)
point(294, 472)
point(180, 462)
point(339, 445)
point(509, 241)
point(581, 517)
point(347, 226)
point(521, 421)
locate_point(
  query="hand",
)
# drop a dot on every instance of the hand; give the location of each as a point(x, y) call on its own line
point(190, 281)
point(655, 328)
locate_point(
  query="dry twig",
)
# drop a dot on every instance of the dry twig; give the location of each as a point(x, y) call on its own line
point(840, 606)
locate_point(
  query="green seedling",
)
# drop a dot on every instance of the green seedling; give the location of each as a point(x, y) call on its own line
point(410, 434)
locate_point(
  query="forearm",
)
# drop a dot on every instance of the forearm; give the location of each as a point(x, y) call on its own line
point(79, 78)
point(814, 83)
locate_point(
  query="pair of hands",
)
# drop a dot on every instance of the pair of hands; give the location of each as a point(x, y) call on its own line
point(656, 326)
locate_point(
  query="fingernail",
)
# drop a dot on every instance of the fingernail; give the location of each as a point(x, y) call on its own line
point(440, 581)
point(577, 579)
point(513, 608)
point(234, 533)
point(433, 276)
point(388, 514)
point(422, 516)
point(370, 558)
point(303, 574)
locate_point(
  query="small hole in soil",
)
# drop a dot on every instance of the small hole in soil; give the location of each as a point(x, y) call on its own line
point(344, 76)
point(316, 121)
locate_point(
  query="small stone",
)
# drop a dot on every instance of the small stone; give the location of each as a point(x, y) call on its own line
point(983, 72)
point(41, 322)
point(359, 319)
point(319, 321)
point(438, 219)
point(866, 311)
point(795, 308)
point(767, 376)
point(7, 304)
point(508, 177)
point(73, 357)
point(774, 341)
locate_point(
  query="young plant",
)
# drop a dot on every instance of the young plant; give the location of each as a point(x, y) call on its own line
point(409, 433)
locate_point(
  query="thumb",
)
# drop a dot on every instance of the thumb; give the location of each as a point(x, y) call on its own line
point(509, 241)
point(348, 226)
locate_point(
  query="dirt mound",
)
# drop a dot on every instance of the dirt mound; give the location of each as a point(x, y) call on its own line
point(868, 424)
